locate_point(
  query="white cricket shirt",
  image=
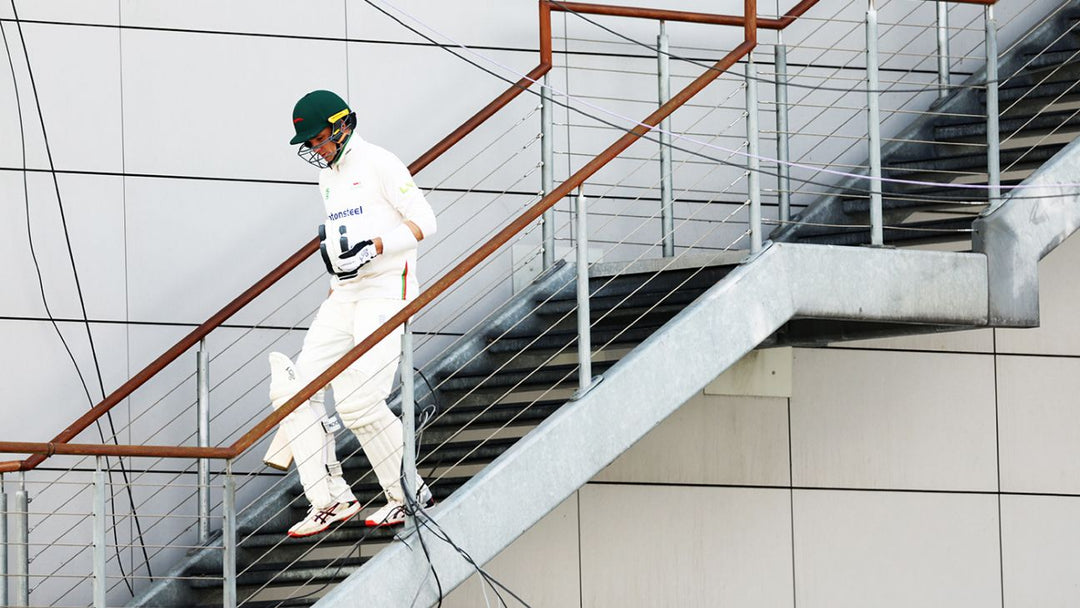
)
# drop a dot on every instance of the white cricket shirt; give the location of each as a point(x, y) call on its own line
point(368, 192)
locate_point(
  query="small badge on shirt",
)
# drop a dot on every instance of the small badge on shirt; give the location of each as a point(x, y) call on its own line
point(406, 187)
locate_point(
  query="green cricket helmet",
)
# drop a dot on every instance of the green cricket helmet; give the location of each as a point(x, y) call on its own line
point(313, 113)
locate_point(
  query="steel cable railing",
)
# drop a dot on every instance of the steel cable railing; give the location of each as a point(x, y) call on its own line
point(171, 483)
point(480, 444)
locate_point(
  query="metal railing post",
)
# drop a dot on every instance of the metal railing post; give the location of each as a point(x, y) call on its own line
point(943, 48)
point(753, 148)
point(203, 374)
point(993, 137)
point(408, 420)
point(228, 539)
point(547, 171)
point(583, 321)
point(100, 585)
point(22, 544)
point(783, 147)
point(667, 218)
point(873, 118)
point(3, 543)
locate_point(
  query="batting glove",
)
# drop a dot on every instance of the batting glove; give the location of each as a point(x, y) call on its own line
point(360, 254)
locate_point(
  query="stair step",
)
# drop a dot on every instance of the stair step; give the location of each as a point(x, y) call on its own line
point(618, 318)
point(523, 378)
point(645, 283)
point(935, 230)
point(642, 301)
point(1049, 90)
point(480, 417)
point(278, 574)
point(964, 162)
point(1050, 58)
point(289, 603)
point(556, 340)
point(976, 130)
point(348, 533)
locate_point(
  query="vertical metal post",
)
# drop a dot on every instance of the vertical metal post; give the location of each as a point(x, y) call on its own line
point(877, 233)
point(783, 148)
point(547, 170)
point(993, 141)
point(3, 543)
point(100, 585)
point(228, 539)
point(943, 48)
point(22, 544)
point(667, 217)
point(753, 162)
point(583, 321)
point(203, 375)
point(408, 419)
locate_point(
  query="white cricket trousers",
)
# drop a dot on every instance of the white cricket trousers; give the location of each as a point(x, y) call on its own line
point(360, 395)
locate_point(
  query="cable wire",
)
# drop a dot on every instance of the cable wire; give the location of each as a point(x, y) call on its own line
point(71, 257)
point(680, 136)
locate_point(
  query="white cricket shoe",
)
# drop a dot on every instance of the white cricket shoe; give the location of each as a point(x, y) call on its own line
point(393, 512)
point(318, 520)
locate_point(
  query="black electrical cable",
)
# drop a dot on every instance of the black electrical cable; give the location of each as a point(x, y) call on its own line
point(78, 287)
point(427, 415)
point(412, 505)
point(758, 78)
point(427, 521)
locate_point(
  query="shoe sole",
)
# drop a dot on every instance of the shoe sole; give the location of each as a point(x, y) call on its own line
point(324, 529)
point(371, 523)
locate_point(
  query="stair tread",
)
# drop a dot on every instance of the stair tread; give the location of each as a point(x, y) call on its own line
point(559, 339)
point(517, 376)
point(974, 160)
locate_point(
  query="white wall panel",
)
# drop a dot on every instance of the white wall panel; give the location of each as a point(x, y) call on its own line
point(70, 11)
point(1058, 333)
point(195, 245)
point(711, 440)
point(312, 18)
point(76, 71)
point(541, 566)
point(515, 22)
point(1038, 423)
point(94, 209)
point(969, 341)
point(166, 402)
point(1041, 559)
point(893, 420)
point(887, 549)
point(71, 127)
point(407, 98)
point(684, 546)
point(56, 398)
point(22, 297)
point(189, 111)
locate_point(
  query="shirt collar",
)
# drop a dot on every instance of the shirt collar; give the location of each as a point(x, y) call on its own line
point(354, 137)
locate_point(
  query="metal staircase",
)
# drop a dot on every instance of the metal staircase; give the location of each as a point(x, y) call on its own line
point(1039, 98)
point(510, 375)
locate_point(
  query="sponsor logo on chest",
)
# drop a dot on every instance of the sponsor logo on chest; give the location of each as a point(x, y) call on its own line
point(337, 215)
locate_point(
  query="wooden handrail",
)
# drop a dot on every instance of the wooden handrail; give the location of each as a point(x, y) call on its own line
point(40, 451)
